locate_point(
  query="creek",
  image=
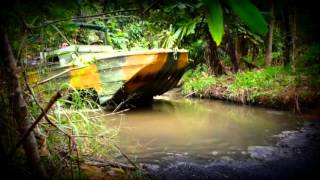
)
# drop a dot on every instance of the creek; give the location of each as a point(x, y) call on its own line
point(176, 129)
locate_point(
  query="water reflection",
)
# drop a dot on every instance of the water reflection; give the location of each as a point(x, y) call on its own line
point(195, 129)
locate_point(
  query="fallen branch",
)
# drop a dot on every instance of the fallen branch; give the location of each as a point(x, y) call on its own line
point(121, 16)
point(122, 103)
point(70, 111)
point(53, 99)
point(88, 136)
point(132, 163)
point(109, 164)
point(190, 94)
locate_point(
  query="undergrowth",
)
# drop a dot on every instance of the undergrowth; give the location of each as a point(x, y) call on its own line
point(197, 80)
point(269, 81)
point(86, 124)
point(309, 63)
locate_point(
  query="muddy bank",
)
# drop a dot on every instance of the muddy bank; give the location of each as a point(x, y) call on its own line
point(294, 156)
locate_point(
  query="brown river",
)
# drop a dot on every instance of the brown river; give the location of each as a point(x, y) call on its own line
point(176, 129)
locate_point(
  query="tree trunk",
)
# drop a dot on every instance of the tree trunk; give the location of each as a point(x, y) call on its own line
point(289, 19)
point(293, 29)
point(213, 60)
point(233, 49)
point(287, 44)
point(255, 52)
point(270, 34)
point(244, 47)
point(18, 104)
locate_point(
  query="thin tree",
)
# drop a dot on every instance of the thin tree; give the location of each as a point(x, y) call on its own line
point(18, 104)
point(270, 35)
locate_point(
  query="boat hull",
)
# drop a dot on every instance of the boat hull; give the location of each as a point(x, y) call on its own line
point(120, 76)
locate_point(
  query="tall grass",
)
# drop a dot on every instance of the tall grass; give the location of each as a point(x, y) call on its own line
point(85, 122)
point(91, 132)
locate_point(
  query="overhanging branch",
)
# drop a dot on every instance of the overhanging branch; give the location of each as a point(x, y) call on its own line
point(49, 22)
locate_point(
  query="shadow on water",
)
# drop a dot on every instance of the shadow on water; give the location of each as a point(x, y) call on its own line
point(153, 106)
point(174, 128)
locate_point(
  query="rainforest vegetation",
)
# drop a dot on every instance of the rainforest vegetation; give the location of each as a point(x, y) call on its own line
point(249, 52)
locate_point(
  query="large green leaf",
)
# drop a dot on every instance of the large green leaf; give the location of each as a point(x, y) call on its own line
point(215, 20)
point(250, 15)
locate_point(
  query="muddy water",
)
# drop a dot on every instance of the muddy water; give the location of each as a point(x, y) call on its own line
point(176, 129)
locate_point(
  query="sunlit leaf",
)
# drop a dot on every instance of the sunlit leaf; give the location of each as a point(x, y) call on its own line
point(215, 20)
point(191, 29)
point(177, 33)
point(249, 14)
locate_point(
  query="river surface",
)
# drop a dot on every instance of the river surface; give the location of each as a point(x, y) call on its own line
point(175, 129)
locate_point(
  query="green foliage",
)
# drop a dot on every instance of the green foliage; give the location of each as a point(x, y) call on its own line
point(69, 26)
point(82, 119)
point(168, 38)
point(309, 63)
point(79, 99)
point(249, 14)
point(135, 30)
point(135, 33)
point(240, 30)
point(267, 81)
point(277, 44)
point(116, 37)
point(215, 20)
point(34, 109)
point(197, 81)
point(119, 40)
point(186, 28)
point(57, 10)
point(92, 135)
point(196, 50)
point(310, 55)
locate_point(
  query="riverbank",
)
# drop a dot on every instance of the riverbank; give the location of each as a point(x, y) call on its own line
point(274, 87)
